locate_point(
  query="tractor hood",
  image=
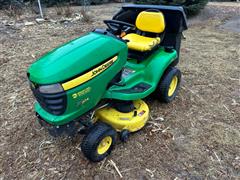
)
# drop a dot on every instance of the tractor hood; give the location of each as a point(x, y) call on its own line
point(74, 58)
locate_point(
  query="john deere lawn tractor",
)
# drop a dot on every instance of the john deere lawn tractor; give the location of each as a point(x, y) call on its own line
point(94, 84)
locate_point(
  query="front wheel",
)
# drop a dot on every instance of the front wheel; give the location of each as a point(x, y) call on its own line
point(169, 84)
point(99, 142)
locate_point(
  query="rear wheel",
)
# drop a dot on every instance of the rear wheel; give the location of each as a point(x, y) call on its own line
point(99, 142)
point(168, 86)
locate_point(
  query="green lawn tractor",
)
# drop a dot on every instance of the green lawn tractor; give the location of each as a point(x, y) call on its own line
point(94, 84)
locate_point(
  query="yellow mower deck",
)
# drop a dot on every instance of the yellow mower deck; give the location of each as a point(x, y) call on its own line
point(132, 121)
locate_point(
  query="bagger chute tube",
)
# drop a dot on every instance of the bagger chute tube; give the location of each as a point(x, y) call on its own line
point(96, 83)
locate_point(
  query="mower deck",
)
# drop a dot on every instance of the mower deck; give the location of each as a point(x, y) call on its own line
point(131, 121)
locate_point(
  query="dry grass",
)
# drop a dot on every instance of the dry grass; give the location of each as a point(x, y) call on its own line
point(195, 137)
point(86, 16)
point(14, 10)
point(64, 10)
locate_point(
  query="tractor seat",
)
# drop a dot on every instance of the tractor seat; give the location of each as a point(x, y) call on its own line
point(149, 22)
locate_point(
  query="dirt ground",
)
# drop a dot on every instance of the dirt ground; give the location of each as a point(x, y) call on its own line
point(195, 137)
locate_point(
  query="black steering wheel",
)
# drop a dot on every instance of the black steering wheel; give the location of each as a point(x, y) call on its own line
point(117, 27)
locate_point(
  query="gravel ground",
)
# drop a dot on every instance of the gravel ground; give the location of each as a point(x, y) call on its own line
point(200, 136)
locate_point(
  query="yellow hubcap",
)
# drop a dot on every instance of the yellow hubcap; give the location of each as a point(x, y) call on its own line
point(173, 86)
point(104, 145)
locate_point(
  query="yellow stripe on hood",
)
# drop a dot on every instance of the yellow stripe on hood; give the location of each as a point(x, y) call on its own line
point(89, 75)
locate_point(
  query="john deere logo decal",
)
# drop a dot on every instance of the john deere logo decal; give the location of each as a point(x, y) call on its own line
point(89, 75)
point(81, 93)
point(102, 67)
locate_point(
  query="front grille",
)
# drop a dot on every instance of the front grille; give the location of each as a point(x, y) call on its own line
point(52, 103)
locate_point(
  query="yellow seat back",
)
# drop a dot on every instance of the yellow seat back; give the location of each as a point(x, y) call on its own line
point(150, 22)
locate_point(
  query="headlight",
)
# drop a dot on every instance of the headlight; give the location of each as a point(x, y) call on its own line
point(51, 89)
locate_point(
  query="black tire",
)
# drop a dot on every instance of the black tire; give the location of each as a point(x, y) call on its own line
point(162, 91)
point(94, 137)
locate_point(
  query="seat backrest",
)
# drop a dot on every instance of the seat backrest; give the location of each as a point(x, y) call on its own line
point(152, 22)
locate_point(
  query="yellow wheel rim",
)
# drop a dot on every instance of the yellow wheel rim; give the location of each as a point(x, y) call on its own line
point(173, 86)
point(104, 145)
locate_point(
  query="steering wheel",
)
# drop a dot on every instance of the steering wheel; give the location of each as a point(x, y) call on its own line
point(117, 27)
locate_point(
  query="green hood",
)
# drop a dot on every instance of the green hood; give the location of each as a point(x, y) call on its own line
point(74, 58)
